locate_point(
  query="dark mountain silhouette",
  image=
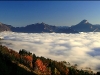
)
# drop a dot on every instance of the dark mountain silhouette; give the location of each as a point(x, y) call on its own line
point(41, 28)
point(85, 26)
point(35, 28)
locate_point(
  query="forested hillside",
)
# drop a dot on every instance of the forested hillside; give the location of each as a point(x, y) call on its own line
point(26, 63)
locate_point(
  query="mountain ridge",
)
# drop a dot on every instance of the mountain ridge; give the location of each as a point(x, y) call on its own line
point(83, 26)
point(41, 28)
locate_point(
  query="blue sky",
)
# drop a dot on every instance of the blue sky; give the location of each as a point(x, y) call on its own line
point(59, 13)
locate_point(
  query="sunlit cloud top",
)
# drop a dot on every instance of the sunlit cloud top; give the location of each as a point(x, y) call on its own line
point(82, 49)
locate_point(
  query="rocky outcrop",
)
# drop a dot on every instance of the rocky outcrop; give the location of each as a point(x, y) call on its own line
point(3, 27)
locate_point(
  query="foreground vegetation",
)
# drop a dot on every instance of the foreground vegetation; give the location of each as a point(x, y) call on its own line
point(26, 63)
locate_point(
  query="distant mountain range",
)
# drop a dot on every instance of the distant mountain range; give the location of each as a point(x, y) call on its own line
point(83, 26)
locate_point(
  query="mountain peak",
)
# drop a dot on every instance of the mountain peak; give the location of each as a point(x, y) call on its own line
point(84, 21)
point(43, 23)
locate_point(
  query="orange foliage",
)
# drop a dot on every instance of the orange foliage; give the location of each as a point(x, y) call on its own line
point(41, 66)
point(29, 60)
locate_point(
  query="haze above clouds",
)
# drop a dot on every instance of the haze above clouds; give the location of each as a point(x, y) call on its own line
point(82, 49)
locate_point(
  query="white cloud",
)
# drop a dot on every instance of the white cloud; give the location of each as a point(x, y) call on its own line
point(82, 49)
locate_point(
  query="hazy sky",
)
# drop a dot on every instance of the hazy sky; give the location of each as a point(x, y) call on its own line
point(63, 13)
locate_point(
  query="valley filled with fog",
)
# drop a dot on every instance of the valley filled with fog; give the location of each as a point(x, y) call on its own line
point(82, 49)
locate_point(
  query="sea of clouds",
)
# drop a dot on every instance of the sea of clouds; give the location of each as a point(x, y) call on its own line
point(82, 49)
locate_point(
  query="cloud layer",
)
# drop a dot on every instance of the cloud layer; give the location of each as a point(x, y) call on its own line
point(82, 49)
